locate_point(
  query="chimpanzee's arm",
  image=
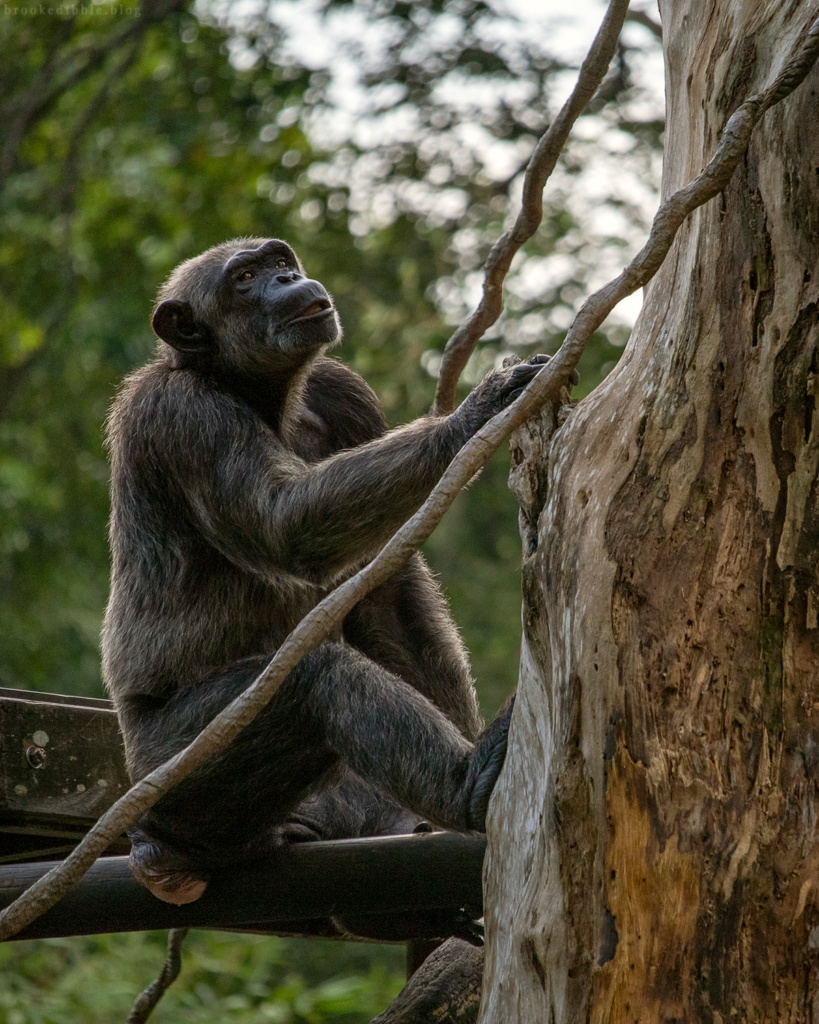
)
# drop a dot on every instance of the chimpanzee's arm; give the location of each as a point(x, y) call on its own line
point(268, 510)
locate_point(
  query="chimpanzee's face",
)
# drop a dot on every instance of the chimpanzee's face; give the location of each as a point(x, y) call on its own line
point(246, 305)
point(267, 289)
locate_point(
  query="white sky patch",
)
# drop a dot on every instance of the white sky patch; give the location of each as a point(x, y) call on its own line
point(320, 42)
point(612, 198)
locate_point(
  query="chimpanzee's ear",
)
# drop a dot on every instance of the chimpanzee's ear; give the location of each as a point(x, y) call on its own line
point(174, 322)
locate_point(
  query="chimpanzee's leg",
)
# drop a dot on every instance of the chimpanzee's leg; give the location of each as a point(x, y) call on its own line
point(335, 706)
point(350, 808)
point(226, 810)
point(346, 807)
point(400, 742)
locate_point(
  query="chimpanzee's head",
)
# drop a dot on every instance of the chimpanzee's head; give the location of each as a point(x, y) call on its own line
point(245, 306)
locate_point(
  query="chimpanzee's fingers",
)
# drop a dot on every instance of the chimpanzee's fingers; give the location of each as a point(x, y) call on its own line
point(523, 372)
point(574, 377)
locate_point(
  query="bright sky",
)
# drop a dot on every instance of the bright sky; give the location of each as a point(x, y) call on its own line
point(567, 30)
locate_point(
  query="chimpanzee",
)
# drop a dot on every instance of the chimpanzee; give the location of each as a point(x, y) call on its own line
point(251, 473)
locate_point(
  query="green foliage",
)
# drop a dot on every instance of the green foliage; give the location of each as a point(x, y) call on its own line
point(241, 979)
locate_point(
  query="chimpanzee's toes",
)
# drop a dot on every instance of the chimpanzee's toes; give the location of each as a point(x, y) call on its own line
point(487, 762)
point(163, 870)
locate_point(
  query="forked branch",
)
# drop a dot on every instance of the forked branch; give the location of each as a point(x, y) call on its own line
point(329, 613)
point(541, 164)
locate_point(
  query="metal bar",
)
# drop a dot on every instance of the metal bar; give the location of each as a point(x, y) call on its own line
point(38, 697)
point(61, 762)
point(385, 875)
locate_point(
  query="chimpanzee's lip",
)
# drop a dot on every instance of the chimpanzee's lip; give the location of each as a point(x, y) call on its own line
point(315, 309)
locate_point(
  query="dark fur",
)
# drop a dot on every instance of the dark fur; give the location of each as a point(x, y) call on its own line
point(250, 474)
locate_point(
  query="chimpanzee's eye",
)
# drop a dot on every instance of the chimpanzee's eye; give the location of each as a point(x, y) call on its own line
point(281, 263)
point(246, 275)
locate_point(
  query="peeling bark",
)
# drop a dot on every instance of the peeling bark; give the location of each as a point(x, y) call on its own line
point(654, 853)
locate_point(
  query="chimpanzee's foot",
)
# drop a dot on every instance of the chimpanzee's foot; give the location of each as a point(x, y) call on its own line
point(487, 762)
point(163, 870)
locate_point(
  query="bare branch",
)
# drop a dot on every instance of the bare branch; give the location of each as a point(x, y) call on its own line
point(105, 93)
point(51, 56)
point(327, 615)
point(641, 18)
point(146, 1001)
point(56, 79)
point(462, 343)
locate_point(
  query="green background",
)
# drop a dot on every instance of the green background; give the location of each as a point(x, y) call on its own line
point(132, 143)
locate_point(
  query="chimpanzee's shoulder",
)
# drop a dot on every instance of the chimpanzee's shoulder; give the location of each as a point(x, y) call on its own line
point(346, 403)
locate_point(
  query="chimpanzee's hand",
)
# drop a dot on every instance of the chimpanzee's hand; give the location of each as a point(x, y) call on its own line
point(497, 390)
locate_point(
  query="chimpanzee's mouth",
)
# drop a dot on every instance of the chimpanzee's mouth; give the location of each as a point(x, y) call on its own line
point(315, 309)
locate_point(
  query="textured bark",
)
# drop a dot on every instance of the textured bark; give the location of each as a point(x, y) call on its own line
point(654, 853)
point(446, 988)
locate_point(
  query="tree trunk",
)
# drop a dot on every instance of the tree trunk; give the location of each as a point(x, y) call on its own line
point(654, 853)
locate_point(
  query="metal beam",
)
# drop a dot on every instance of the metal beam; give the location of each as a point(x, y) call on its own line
point(309, 882)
